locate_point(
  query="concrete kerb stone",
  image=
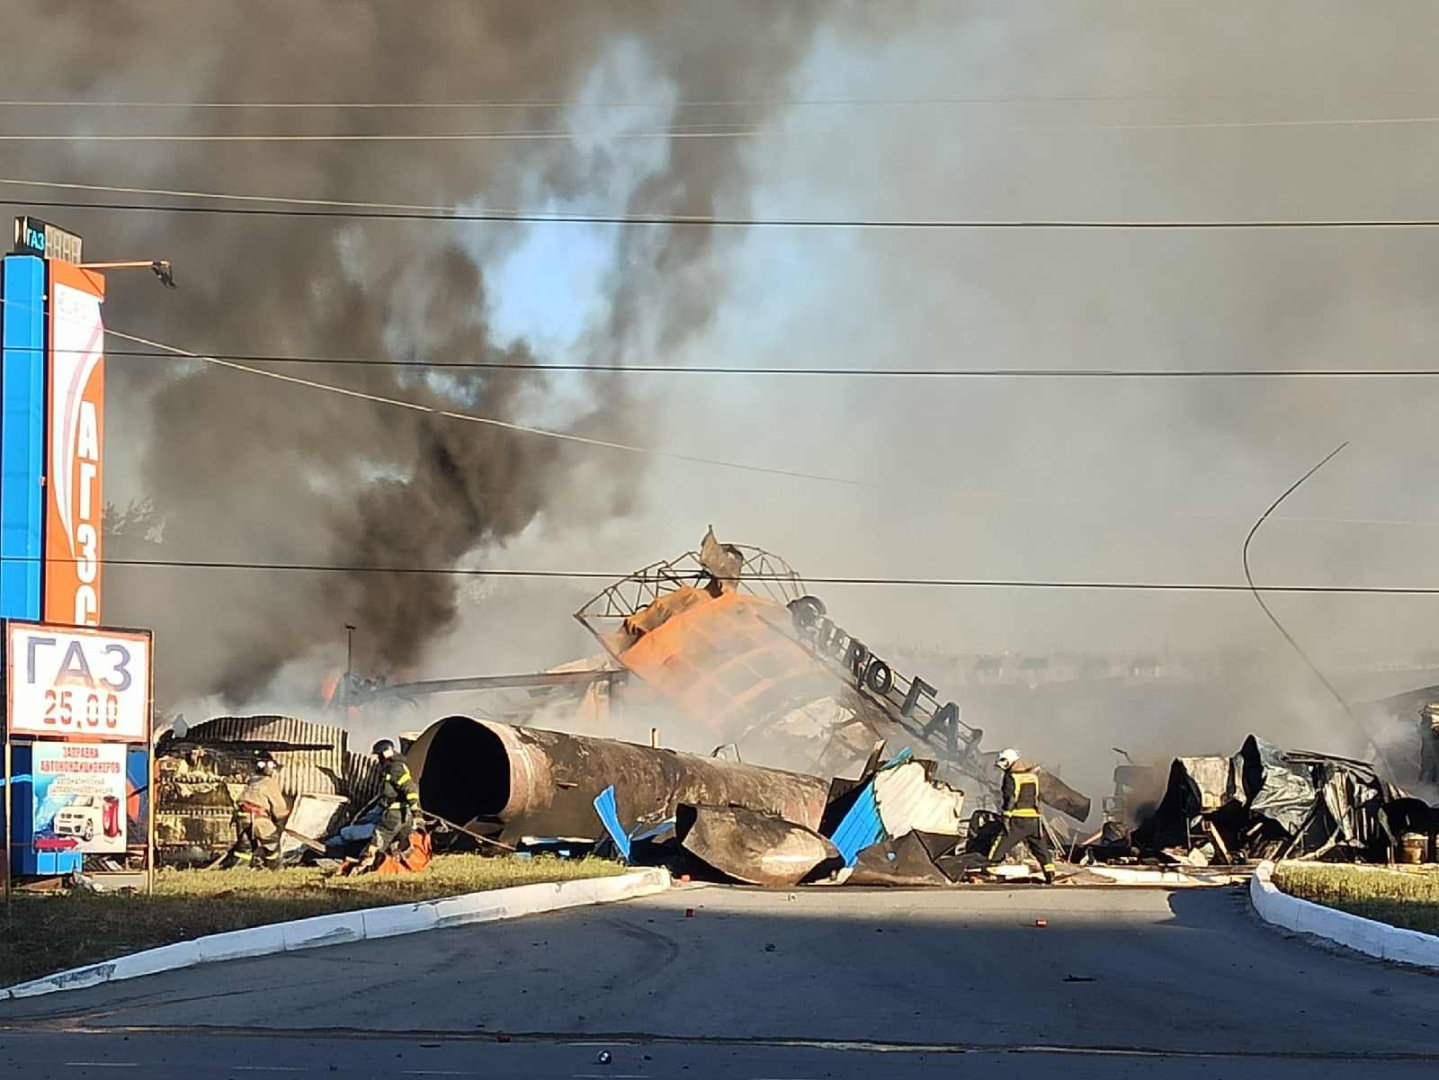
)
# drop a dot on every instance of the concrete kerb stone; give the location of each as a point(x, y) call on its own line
point(350, 926)
point(399, 919)
point(1376, 939)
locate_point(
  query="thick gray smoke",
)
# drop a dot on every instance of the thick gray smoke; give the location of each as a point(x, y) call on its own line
point(241, 468)
point(1107, 111)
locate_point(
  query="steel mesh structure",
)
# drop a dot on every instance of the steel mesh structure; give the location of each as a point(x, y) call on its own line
point(761, 574)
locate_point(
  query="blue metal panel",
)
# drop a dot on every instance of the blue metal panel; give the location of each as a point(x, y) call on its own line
point(22, 506)
point(862, 826)
point(28, 861)
point(610, 818)
point(137, 764)
point(22, 434)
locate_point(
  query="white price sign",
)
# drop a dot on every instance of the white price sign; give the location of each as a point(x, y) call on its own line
point(72, 681)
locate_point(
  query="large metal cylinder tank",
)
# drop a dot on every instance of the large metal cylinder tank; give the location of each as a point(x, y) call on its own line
point(508, 782)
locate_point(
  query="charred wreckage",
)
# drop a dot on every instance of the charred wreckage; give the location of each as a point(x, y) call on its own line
point(893, 786)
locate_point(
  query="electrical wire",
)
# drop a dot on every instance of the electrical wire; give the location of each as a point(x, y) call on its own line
point(918, 582)
point(1249, 576)
point(549, 135)
point(837, 372)
point(711, 130)
point(1288, 637)
point(1004, 496)
point(489, 421)
point(223, 358)
point(283, 206)
point(712, 369)
point(560, 103)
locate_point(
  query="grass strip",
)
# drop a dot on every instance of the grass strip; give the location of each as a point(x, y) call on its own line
point(1405, 898)
point(49, 933)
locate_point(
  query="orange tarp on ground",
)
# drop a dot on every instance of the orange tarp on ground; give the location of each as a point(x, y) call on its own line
point(412, 861)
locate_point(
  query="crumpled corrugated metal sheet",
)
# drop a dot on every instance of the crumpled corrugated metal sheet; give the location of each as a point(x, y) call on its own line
point(316, 764)
point(907, 799)
point(364, 774)
point(761, 849)
point(1271, 786)
point(905, 862)
point(1210, 780)
point(862, 825)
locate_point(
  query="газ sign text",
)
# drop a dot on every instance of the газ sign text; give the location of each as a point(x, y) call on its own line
point(92, 684)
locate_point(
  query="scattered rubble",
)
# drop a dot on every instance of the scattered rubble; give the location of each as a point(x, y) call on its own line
point(202, 769)
point(731, 636)
point(1263, 803)
point(897, 789)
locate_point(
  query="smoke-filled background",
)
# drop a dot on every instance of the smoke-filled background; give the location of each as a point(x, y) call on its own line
point(918, 111)
point(233, 467)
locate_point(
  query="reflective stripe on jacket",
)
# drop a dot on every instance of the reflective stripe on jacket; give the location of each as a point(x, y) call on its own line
point(1021, 794)
point(401, 791)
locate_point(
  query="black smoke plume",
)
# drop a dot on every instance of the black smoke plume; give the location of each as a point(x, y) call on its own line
point(236, 467)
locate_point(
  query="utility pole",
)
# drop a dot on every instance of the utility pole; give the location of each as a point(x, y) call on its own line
point(349, 663)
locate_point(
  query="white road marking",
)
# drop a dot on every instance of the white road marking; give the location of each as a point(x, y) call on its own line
point(102, 1064)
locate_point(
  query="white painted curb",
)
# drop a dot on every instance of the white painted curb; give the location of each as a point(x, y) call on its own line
point(1372, 938)
point(350, 926)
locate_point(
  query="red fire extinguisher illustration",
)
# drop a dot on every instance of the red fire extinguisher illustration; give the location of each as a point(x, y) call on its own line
point(112, 817)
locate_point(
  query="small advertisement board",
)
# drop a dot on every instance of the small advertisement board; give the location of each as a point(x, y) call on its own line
point(64, 681)
point(79, 797)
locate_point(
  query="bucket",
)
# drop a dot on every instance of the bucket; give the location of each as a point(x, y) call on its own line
point(1413, 847)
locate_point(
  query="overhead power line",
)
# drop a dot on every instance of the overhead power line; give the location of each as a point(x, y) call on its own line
point(489, 421)
point(276, 206)
point(921, 582)
point(549, 135)
point(563, 103)
point(224, 360)
point(710, 130)
point(838, 372)
point(171, 354)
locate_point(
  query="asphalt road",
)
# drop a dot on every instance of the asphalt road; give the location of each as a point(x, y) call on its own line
point(809, 984)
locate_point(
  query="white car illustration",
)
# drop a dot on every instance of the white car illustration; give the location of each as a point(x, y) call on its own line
point(82, 818)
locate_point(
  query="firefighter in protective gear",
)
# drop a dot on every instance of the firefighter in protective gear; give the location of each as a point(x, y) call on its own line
point(1023, 823)
point(1429, 743)
point(258, 814)
point(400, 803)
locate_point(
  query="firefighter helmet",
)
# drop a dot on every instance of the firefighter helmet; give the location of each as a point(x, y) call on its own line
point(384, 749)
point(266, 764)
point(1007, 759)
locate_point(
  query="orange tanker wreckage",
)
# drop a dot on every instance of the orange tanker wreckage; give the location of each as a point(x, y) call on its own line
point(733, 638)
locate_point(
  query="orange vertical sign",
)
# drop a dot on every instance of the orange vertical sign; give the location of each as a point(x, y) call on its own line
point(75, 442)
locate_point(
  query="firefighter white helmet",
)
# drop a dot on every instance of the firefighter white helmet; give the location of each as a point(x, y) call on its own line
point(1008, 758)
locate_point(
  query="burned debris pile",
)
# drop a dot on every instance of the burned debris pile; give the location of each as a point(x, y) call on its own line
point(730, 637)
point(887, 783)
point(544, 791)
point(1263, 803)
point(202, 769)
point(331, 791)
